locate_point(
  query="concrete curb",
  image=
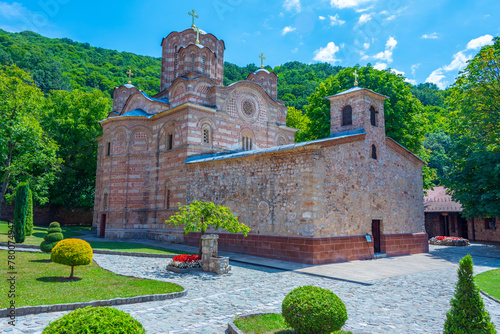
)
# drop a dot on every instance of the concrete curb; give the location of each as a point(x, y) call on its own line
point(231, 327)
point(97, 251)
point(490, 297)
point(72, 306)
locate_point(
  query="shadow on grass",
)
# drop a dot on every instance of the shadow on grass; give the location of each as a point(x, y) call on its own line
point(58, 279)
point(39, 234)
point(42, 261)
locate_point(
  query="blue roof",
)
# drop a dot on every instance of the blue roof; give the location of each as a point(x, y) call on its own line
point(137, 112)
point(232, 155)
point(153, 99)
point(355, 89)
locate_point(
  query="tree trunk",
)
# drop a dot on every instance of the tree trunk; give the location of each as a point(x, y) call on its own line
point(71, 276)
point(200, 250)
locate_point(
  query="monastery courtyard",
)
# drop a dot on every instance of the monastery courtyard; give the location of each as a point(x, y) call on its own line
point(407, 294)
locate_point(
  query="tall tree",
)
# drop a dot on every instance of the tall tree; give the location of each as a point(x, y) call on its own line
point(72, 120)
point(474, 177)
point(26, 152)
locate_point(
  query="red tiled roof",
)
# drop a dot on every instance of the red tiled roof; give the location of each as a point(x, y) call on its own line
point(438, 201)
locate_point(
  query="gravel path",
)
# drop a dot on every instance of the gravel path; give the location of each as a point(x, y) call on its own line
point(414, 303)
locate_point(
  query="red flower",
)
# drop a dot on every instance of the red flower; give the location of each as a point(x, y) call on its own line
point(186, 258)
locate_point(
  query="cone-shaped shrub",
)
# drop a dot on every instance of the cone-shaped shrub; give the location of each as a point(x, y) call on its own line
point(95, 320)
point(309, 309)
point(72, 252)
point(20, 212)
point(52, 237)
point(29, 216)
point(467, 313)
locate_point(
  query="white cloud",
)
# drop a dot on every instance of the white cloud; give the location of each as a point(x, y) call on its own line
point(348, 3)
point(437, 77)
point(362, 10)
point(294, 50)
point(292, 5)
point(480, 42)
point(434, 35)
point(327, 54)
point(335, 20)
point(391, 43)
point(286, 30)
point(13, 10)
point(392, 70)
point(364, 18)
point(380, 66)
point(366, 46)
point(413, 82)
point(321, 18)
point(414, 68)
point(458, 63)
point(390, 18)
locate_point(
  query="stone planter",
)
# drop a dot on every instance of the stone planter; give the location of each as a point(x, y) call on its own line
point(211, 262)
point(184, 270)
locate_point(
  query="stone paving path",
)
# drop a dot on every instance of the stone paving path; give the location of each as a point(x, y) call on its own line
point(412, 303)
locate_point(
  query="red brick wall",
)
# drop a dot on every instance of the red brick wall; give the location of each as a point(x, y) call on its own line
point(316, 250)
point(404, 244)
point(481, 233)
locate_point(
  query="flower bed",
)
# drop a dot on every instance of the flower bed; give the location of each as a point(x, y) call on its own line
point(185, 263)
point(449, 241)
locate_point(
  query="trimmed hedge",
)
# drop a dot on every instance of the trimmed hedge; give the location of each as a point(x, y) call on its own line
point(29, 215)
point(20, 212)
point(52, 237)
point(72, 252)
point(95, 320)
point(310, 309)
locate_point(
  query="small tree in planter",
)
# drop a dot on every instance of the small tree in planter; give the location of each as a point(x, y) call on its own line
point(199, 216)
point(53, 236)
point(72, 252)
point(20, 212)
point(467, 313)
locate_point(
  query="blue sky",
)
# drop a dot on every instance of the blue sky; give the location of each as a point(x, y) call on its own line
point(426, 40)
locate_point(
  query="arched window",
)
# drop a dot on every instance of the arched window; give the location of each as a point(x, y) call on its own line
point(108, 149)
point(374, 152)
point(246, 143)
point(175, 61)
point(206, 134)
point(204, 68)
point(347, 116)
point(167, 199)
point(170, 141)
point(373, 116)
point(192, 62)
point(105, 202)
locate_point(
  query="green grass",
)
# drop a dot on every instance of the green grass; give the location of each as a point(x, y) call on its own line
point(40, 282)
point(271, 323)
point(39, 233)
point(489, 282)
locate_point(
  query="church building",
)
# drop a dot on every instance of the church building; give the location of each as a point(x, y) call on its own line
point(346, 197)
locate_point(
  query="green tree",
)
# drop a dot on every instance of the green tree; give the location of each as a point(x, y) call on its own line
point(467, 313)
point(72, 120)
point(199, 216)
point(26, 152)
point(429, 94)
point(29, 215)
point(439, 144)
point(474, 177)
point(297, 120)
point(21, 211)
point(53, 236)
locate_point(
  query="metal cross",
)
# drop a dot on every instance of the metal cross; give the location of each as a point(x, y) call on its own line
point(130, 74)
point(355, 77)
point(262, 60)
point(198, 31)
point(194, 16)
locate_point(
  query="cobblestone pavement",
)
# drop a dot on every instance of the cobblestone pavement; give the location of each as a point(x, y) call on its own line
point(413, 303)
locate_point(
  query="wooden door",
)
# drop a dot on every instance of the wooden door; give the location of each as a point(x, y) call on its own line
point(102, 228)
point(376, 235)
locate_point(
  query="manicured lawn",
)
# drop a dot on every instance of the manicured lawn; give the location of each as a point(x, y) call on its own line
point(489, 282)
point(39, 282)
point(271, 323)
point(72, 232)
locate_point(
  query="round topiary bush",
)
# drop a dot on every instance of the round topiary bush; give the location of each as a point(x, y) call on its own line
point(309, 309)
point(72, 252)
point(95, 320)
point(52, 237)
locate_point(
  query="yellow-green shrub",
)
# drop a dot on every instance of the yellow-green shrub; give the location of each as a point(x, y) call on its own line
point(72, 252)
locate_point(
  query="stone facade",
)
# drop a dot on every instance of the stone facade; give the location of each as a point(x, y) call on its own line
point(311, 202)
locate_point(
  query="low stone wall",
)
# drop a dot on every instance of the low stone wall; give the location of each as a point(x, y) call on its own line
point(404, 244)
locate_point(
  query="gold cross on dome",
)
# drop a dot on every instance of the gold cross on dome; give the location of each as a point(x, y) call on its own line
point(194, 15)
point(198, 31)
point(356, 77)
point(130, 74)
point(262, 60)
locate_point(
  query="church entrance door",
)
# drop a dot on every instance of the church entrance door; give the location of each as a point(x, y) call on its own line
point(102, 227)
point(376, 235)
